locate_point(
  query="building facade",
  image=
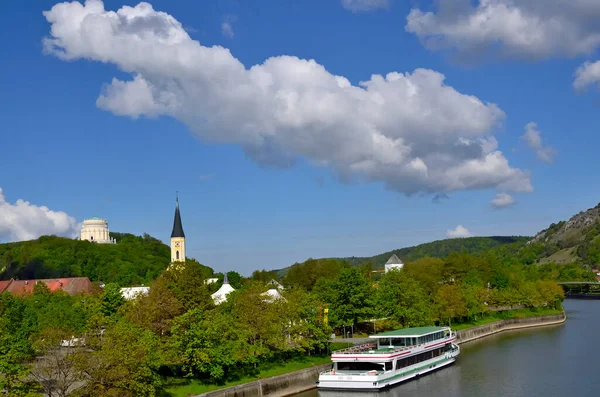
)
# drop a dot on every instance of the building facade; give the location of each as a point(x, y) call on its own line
point(177, 237)
point(96, 231)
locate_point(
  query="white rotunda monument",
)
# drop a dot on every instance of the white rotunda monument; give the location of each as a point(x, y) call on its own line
point(96, 231)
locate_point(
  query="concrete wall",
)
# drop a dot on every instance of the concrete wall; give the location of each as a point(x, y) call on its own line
point(276, 386)
point(470, 334)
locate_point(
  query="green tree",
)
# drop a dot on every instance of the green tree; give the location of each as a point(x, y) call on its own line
point(349, 296)
point(156, 310)
point(123, 361)
point(112, 299)
point(403, 299)
point(451, 303)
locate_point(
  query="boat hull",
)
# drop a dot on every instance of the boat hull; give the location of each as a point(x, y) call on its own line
point(340, 381)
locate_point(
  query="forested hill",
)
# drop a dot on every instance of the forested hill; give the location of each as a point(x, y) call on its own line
point(438, 249)
point(133, 260)
point(434, 249)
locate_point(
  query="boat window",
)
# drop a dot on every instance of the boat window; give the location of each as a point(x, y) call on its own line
point(399, 342)
point(405, 362)
point(359, 366)
point(388, 366)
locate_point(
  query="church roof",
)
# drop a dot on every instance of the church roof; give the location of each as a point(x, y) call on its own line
point(394, 260)
point(177, 227)
point(221, 295)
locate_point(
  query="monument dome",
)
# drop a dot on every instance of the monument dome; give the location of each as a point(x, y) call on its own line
point(96, 231)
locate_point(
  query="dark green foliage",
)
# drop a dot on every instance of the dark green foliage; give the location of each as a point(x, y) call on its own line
point(349, 296)
point(439, 249)
point(305, 275)
point(111, 300)
point(133, 260)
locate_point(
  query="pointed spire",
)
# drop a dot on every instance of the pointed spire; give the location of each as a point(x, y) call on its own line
point(225, 279)
point(177, 226)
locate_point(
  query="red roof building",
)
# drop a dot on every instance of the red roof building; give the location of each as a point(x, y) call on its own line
point(4, 285)
point(73, 285)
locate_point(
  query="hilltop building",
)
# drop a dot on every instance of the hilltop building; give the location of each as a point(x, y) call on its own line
point(177, 237)
point(221, 295)
point(96, 231)
point(393, 263)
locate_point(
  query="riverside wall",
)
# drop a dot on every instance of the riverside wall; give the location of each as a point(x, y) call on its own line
point(305, 379)
point(276, 386)
point(469, 334)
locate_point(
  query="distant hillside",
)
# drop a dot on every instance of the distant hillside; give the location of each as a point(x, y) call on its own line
point(133, 260)
point(437, 249)
point(575, 240)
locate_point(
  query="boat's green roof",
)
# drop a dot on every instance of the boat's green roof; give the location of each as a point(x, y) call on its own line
point(409, 332)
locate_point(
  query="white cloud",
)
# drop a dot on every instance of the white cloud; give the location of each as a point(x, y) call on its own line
point(586, 75)
point(410, 131)
point(25, 221)
point(227, 26)
point(503, 200)
point(534, 140)
point(227, 29)
point(459, 232)
point(533, 29)
point(365, 5)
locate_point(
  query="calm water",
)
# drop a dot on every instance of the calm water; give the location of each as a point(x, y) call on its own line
point(556, 361)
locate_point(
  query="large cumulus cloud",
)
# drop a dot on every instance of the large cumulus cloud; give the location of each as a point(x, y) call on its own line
point(411, 131)
point(25, 221)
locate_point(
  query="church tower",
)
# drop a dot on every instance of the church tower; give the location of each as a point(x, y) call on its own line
point(177, 237)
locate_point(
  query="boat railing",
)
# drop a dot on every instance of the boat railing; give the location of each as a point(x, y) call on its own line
point(372, 347)
point(357, 349)
point(352, 373)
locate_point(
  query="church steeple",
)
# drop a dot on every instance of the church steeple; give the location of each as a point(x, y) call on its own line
point(177, 236)
point(177, 226)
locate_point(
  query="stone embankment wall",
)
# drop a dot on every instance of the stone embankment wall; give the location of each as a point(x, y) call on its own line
point(296, 382)
point(276, 386)
point(469, 334)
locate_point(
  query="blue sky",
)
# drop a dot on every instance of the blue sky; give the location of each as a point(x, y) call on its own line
point(124, 156)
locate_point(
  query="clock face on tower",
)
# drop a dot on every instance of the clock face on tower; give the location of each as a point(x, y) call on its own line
point(177, 244)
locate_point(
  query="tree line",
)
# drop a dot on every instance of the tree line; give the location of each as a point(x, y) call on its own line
point(130, 348)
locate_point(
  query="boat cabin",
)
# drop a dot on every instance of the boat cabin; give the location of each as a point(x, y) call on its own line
point(410, 337)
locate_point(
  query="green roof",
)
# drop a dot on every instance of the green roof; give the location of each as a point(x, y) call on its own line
point(409, 332)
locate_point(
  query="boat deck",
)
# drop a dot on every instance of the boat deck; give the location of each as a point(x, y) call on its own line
point(371, 348)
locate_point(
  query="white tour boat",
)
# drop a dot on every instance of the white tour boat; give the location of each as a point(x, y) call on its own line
point(395, 357)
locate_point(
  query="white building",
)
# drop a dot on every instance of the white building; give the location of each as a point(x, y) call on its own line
point(272, 295)
point(134, 292)
point(96, 231)
point(221, 295)
point(393, 263)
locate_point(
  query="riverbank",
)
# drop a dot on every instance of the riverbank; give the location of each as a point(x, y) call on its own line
point(481, 331)
point(302, 380)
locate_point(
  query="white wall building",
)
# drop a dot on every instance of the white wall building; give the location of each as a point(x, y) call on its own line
point(134, 292)
point(96, 231)
point(393, 263)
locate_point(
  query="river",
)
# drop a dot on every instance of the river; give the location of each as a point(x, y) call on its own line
point(562, 360)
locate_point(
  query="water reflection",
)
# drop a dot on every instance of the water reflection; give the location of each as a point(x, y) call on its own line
point(551, 362)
